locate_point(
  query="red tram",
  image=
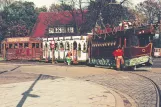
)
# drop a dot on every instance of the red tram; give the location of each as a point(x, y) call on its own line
point(21, 48)
point(136, 43)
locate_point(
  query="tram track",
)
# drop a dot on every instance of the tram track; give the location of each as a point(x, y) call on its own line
point(157, 88)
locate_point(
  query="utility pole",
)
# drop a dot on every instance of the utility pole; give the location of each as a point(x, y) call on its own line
point(159, 39)
point(52, 45)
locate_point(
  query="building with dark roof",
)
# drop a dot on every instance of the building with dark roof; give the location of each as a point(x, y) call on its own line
point(57, 24)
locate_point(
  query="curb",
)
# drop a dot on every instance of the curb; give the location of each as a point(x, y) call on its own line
point(118, 99)
point(133, 103)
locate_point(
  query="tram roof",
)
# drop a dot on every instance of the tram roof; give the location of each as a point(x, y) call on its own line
point(20, 39)
point(118, 31)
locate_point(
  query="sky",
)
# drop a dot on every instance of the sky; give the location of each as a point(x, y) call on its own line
point(40, 3)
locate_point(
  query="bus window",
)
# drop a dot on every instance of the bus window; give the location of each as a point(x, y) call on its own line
point(26, 45)
point(15, 46)
point(33, 45)
point(10, 46)
point(37, 45)
point(20, 45)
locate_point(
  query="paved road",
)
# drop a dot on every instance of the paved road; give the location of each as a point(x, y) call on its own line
point(24, 87)
point(139, 89)
point(157, 63)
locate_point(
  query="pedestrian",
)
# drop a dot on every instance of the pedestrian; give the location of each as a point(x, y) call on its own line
point(68, 57)
point(118, 54)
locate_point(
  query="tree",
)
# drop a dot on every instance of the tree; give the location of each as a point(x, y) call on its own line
point(55, 8)
point(112, 11)
point(41, 9)
point(75, 7)
point(5, 3)
point(20, 18)
point(149, 9)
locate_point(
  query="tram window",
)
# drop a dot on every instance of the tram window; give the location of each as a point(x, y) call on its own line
point(26, 45)
point(75, 45)
point(41, 45)
point(37, 45)
point(79, 47)
point(15, 45)
point(67, 46)
point(56, 46)
point(10, 45)
point(71, 46)
point(33, 45)
point(84, 47)
point(61, 45)
point(20, 45)
point(144, 41)
point(134, 41)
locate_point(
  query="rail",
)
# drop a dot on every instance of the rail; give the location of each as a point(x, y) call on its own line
point(158, 93)
point(9, 70)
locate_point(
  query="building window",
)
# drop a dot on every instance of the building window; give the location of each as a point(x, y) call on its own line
point(62, 29)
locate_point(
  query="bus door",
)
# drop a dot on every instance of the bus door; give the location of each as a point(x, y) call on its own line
point(75, 52)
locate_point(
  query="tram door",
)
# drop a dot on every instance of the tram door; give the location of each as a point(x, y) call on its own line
point(56, 50)
point(3, 50)
point(33, 50)
point(67, 47)
point(74, 52)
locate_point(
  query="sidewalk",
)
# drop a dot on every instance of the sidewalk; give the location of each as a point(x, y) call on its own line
point(60, 92)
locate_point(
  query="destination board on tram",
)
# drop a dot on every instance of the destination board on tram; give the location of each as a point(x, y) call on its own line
point(17, 39)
